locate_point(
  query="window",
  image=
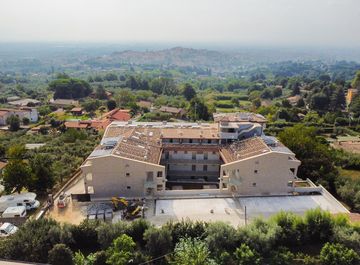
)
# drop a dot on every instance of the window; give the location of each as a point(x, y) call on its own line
point(171, 140)
point(89, 177)
point(193, 155)
point(290, 184)
point(128, 187)
point(185, 152)
point(292, 170)
point(206, 156)
point(159, 174)
point(200, 152)
point(255, 171)
point(190, 141)
point(254, 184)
point(193, 167)
point(127, 174)
point(175, 152)
point(205, 168)
point(209, 141)
point(159, 187)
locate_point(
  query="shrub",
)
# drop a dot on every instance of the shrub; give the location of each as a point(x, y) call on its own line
point(246, 256)
point(335, 254)
point(60, 254)
point(158, 241)
point(319, 225)
point(220, 237)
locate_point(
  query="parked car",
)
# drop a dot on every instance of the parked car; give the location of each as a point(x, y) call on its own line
point(7, 229)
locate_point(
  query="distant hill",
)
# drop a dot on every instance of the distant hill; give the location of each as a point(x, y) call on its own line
point(178, 56)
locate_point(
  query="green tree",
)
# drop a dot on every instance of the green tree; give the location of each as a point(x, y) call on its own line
point(158, 241)
point(282, 256)
point(220, 237)
point(191, 252)
point(319, 101)
point(100, 92)
point(17, 173)
point(111, 104)
point(246, 256)
point(277, 92)
point(316, 159)
point(198, 110)
point(188, 91)
point(70, 88)
point(60, 254)
point(337, 100)
point(356, 81)
point(319, 225)
point(121, 251)
point(25, 121)
point(336, 254)
point(14, 123)
point(42, 174)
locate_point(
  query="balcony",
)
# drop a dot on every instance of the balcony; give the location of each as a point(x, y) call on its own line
point(175, 173)
point(191, 161)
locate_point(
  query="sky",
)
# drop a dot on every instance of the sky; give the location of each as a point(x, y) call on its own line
point(333, 23)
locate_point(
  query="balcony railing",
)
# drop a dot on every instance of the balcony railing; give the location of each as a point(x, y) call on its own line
point(191, 161)
point(178, 173)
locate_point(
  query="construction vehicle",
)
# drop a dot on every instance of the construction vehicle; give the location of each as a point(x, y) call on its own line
point(119, 203)
point(131, 209)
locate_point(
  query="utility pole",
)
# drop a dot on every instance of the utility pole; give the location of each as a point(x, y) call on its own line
point(245, 216)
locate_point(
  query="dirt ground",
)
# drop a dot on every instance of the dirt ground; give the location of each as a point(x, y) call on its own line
point(353, 147)
point(73, 213)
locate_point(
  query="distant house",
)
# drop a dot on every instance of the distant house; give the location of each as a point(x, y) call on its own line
point(144, 104)
point(294, 100)
point(77, 111)
point(2, 166)
point(96, 125)
point(25, 102)
point(30, 113)
point(117, 115)
point(62, 103)
point(176, 112)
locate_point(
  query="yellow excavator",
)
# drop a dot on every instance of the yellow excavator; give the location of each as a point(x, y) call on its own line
point(132, 209)
point(119, 203)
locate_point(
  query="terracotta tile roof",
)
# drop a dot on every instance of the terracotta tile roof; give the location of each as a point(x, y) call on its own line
point(244, 149)
point(142, 144)
point(3, 113)
point(118, 115)
point(76, 124)
point(100, 124)
point(76, 109)
point(171, 110)
point(2, 165)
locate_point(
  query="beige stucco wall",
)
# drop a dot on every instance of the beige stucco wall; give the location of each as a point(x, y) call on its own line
point(270, 171)
point(109, 176)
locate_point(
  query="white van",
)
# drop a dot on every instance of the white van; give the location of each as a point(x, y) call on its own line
point(17, 211)
point(26, 199)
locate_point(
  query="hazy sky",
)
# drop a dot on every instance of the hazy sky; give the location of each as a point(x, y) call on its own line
point(263, 22)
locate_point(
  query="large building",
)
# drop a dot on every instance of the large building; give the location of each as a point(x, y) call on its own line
point(231, 155)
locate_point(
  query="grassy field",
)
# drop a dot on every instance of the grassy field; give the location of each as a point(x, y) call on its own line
point(354, 174)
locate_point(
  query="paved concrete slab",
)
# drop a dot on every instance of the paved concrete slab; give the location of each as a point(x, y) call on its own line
point(231, 210)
